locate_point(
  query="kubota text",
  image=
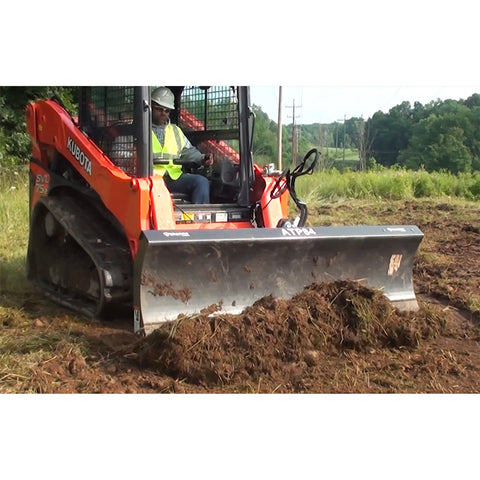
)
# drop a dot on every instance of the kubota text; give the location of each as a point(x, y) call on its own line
point(80, 157)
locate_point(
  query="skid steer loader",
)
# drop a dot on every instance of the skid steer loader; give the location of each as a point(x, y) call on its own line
point(106, 235)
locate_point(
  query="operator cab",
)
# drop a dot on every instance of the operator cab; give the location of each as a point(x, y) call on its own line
point(209, 118)
point(215, 119)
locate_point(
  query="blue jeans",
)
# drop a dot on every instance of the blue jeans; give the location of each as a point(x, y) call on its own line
point(196, 186)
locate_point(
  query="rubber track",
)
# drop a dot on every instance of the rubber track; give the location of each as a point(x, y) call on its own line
point(106, 247)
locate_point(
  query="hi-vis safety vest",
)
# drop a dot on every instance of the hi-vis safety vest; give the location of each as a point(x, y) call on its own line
point(173, 144)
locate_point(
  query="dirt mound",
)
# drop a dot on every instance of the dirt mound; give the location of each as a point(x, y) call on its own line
point(282, 342)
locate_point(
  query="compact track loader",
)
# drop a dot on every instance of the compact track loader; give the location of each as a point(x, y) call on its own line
point(106, 235)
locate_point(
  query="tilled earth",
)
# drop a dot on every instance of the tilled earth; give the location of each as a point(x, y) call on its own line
point(331, 338)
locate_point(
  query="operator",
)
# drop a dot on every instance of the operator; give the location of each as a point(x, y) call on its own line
point(170, 142)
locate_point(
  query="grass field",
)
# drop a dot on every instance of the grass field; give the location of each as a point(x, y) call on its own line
point(14, 230)
point(47, 349)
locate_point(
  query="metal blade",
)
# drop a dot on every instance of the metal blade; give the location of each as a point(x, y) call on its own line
point(184, 272)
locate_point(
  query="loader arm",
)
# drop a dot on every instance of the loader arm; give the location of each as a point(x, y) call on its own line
point(127, 198)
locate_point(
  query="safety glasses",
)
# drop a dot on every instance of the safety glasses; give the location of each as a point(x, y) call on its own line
point(161, 109)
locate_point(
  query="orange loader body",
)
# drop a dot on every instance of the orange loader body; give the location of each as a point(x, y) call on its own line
point(107, 236)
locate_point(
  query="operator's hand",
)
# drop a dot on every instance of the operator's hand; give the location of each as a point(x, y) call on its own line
point(207, 159)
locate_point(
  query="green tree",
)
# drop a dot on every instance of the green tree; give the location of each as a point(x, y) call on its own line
point(390, 133)
point(265, 135)
point(473, 101)
point(14, 140)
point(438, 143)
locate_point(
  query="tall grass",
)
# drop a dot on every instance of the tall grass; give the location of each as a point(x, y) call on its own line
point(387, 184)
point(13, 229)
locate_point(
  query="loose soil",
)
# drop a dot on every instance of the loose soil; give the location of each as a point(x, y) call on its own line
point(338, 337)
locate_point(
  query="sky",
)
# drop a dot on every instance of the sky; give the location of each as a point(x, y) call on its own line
point(327, 104)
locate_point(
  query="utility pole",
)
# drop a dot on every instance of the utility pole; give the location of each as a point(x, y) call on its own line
point(336, 141)
point(336, 137)
point(294, 134)
point(279, 129)
point(344, 131)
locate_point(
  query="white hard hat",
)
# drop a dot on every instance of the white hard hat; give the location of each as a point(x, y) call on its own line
point(163, 96)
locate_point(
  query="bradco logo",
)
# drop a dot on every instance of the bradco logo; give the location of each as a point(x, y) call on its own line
point(80, 157)
point(298, 232)
point(176, 234)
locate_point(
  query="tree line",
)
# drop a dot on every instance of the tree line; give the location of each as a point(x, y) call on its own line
point(438, 136)
point(15, 147)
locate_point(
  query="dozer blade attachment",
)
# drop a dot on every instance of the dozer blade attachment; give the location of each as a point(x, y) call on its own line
point(224, 271)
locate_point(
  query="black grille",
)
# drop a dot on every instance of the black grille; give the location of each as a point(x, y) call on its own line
point(215, 107)
point(107, 117)
point(112, 105)
point(209, 118)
